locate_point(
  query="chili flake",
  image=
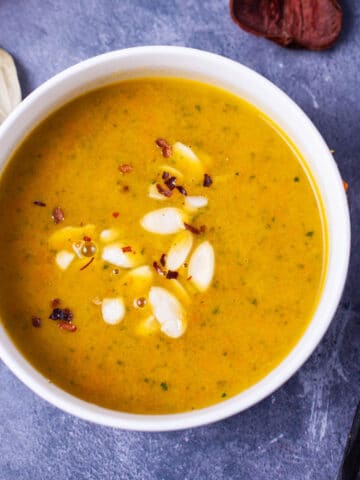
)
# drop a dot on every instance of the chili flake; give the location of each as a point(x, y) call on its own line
point(58, 215)
point(171, 182)
point(70, 327)
point(39, 203)
point(171, 274)
point(86, 238)
point(191, 228)
point(163, 191)
point(55, 302)
point(126, 249)
point(36, 322)
point(115, 214)
point(166, 148)
point(159, 270)
point(162, 259)
point(125, 168)
point(346, 186)
point(87, 264)
point(182, 190)
point(207, 180)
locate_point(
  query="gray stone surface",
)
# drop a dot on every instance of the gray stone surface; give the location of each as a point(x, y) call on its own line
point(299, 432)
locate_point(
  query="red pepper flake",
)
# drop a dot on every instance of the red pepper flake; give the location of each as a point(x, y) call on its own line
point(159, 270)
point(36, 322)
point(86, 238)
point(171, 182)
point(171, 274)
point(126, 249)
point(69, 327)
point(166, 148)
point(61, 314)
point(165, 175)
point(55, 302)
point(125, 168)
point(182, 190)
point(189, 278)
point(115, 214)
point(207, 180)
point(346, 186)
point(162, 259)
point(191, 229)
point(58, 215)
point(39, 203)
point(163, 191)
point(126, 188)
point(87, 264)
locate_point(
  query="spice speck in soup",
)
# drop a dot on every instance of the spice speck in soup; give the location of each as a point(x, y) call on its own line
point(182, 239)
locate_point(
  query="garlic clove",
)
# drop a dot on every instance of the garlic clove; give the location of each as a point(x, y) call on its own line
point(168, 312)
point(64, 259)
point(113, 310)
point(179, 250)
point(202, 265)
point(164, 221)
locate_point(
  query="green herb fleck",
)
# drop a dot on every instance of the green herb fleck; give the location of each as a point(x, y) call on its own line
point(120, 362)
point(296, 179)
point(254, 301)
point(237, 173)
point(223, 395)
point(198, 108)
point(310, 234)
point(164, 386)
point(216, 310)
point(105, 266)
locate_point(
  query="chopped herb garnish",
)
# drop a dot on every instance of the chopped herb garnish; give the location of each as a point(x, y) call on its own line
point(105, 266)
point(198, 108)
point(309, 234)
point(223, 395)
point(164, 386)
point(254, 301)
point(216, 310)
point(296, 179)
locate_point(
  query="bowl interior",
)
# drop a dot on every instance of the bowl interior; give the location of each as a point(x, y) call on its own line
point(215, 70)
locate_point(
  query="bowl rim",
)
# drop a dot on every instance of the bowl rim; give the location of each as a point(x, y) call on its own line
point(339, 249)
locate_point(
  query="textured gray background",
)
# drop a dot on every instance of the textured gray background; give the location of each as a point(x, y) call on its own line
point(299, 432)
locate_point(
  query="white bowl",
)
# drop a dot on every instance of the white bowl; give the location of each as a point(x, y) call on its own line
point(219, 71)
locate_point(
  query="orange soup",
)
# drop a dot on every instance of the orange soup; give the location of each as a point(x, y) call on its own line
point(163, 246)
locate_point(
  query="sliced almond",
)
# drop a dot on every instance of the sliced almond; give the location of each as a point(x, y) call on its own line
point(114, 254)
point(154, 193)
point(168, 311)
point(194, 202)
point(202, 265)
point(143, 273)
point(66, 236)
point(147, 326)
point(109, 235)
point(176, 287)
point(164, 221)
point(189, 162)
point(77, 247)
point(64, 259)
point(179, 250)
point(113, 310)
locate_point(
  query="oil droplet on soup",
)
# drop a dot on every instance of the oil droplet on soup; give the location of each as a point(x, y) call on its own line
point(191, 254)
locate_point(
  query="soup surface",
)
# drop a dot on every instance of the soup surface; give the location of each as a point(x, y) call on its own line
point(79, 215)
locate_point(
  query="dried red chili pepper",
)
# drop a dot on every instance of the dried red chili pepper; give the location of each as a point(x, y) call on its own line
point(126, 249)
point(311, 24)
